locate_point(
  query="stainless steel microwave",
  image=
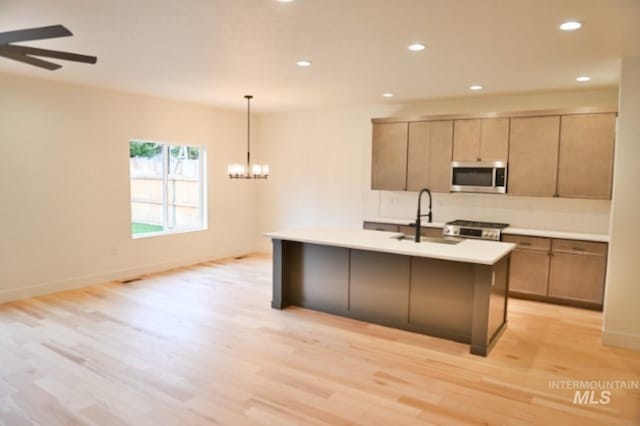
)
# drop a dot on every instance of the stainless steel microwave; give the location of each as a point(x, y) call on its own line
point(488, 177)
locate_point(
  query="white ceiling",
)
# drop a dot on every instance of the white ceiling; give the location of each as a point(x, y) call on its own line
point(216, 51)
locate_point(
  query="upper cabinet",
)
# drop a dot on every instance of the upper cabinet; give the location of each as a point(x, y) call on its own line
point(429, 155)
point(466, 140)
point(485, 139)
point(586, 155)
point(418, 155)
point(389, 156)
point(533, 156)
point(550, 153)
point(412, 156)
point(440, 147)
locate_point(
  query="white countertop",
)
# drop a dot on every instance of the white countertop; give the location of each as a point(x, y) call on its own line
point(583, 236)
point(469, 250)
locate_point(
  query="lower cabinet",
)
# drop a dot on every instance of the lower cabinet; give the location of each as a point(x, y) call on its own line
point(549, 269)
point(558, 270)
point(529, 272)
point(460, 301)
point(529, 269)
point(578, 272)
point(379, 286)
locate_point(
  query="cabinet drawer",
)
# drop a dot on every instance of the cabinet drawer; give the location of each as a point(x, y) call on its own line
point(425, 232)
point(529, 243)
point(579, 247)
point(381, 226)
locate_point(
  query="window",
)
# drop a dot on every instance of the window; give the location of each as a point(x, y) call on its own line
point(167, 188)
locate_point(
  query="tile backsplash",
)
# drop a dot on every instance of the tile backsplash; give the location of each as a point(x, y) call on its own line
point(559, 214)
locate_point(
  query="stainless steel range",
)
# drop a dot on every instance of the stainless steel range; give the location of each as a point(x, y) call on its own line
point(471, 229)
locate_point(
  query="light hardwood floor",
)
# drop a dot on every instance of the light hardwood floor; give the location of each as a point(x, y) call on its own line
point(201, 345)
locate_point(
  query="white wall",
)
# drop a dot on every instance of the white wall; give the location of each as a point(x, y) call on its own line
point(556, 214)
point(622, 296)
point(321, 168)
point(64, 185)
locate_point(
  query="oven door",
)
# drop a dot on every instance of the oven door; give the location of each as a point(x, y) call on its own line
point(478, 177)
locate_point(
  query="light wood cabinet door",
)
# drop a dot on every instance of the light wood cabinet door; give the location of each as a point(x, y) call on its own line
point(320, 278)
point(484, 139)
point(529, 272)
point(441, 297)
point(379, 287)
point(586, 155)
point(440, 148)
point(577, 277)
point(389, 156)
point(418, 156)
point(533, 156)
point(466, 140)
point(494, 139)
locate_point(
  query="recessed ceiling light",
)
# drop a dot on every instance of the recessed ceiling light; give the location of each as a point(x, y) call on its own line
point(476, 87)
point(416, 47)
point(570, 25)
point(583, 78)
point(285, 1)
point(303, 63)
point(388, 95)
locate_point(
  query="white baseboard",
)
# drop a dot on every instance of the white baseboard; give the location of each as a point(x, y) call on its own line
point(10, 294)
point(621, 340)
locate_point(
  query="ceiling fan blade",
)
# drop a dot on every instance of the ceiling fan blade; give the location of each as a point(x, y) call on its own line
point(34, 51)
point(52, 31)
point(30, 60)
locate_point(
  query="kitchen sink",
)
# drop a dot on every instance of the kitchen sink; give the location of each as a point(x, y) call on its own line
point(411, 238)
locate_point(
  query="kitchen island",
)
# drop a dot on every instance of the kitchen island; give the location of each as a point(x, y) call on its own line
point(450, 289)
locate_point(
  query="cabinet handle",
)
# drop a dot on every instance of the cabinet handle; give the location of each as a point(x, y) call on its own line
point(578, 248)
point(478, 159)
point(524, 243)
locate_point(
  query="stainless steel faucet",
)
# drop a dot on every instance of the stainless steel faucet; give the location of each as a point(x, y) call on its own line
point(419, 215)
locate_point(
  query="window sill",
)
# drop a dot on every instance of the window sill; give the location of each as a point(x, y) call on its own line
point(164, 233)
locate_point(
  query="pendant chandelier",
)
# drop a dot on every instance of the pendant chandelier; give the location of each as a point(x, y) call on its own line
point(248, 171)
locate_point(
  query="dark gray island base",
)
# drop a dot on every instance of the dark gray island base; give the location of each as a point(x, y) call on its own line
point(461, 301)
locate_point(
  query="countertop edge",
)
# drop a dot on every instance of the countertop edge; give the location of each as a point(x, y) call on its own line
point(281, 235)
